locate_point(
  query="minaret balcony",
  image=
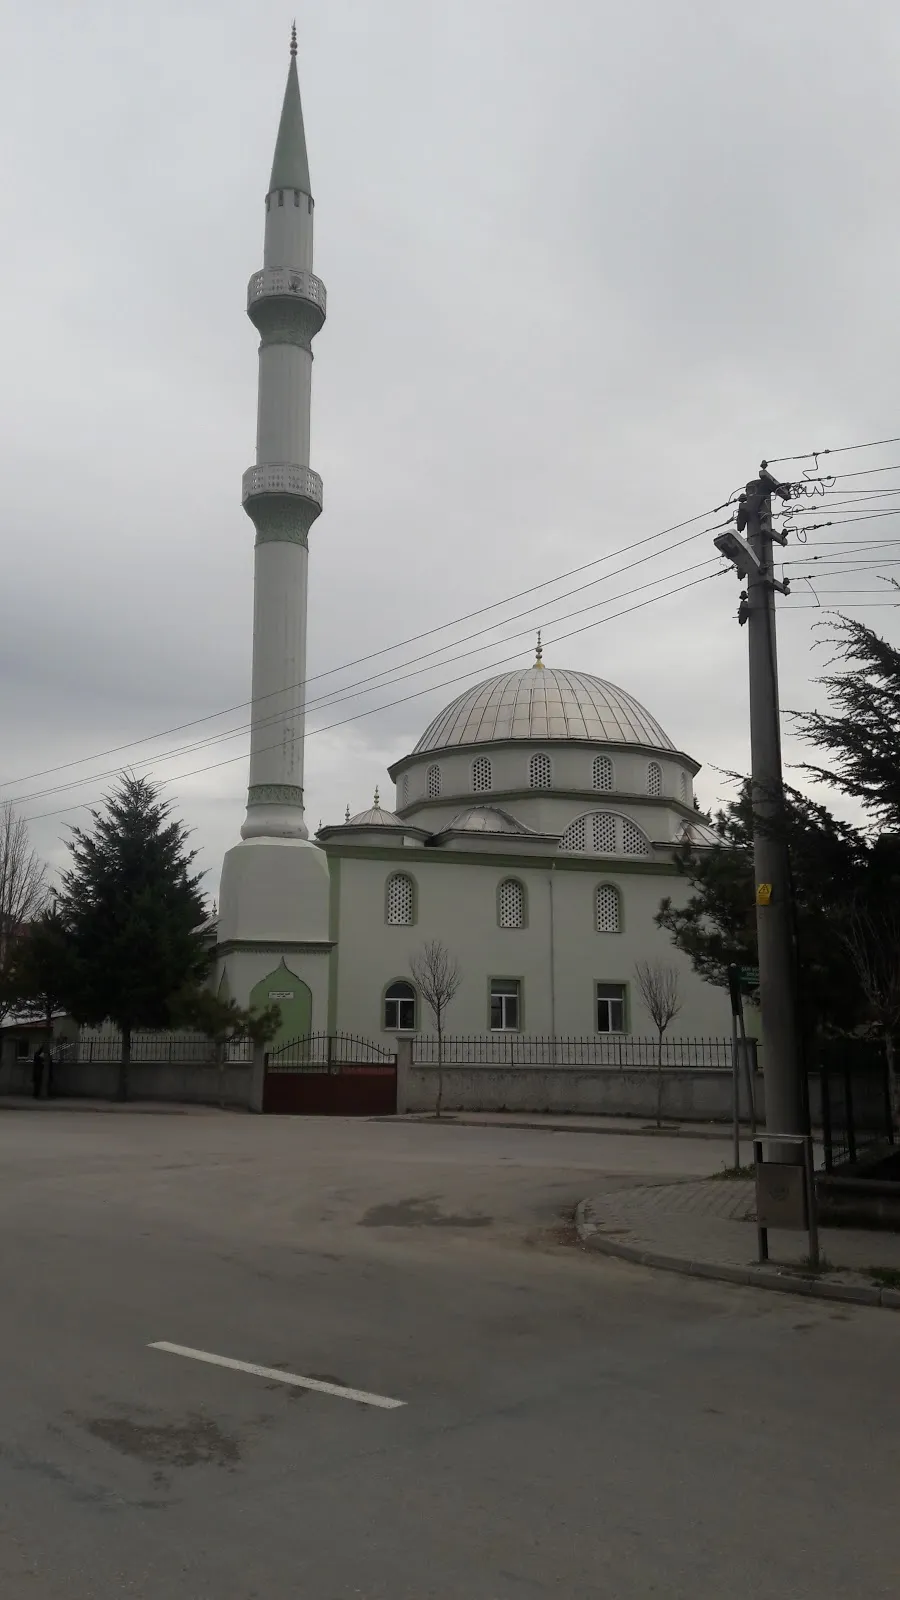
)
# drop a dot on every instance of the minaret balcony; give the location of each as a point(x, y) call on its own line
point(281, 477)
point(281, 298)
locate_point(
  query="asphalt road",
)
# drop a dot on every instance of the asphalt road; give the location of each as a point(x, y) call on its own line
point(570, 1426)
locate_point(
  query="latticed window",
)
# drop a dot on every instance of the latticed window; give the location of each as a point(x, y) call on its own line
point(654, 778)
point(404, 791)
point(684, 787)
point(603, 833)
point(400, 1007)
point(481, 775)
point(603, 773)
point(573, 838)
point(400, 900)
point(433, 782)
point(511, 904)
point(540, 772)
point(607, 906)
point(633, 841)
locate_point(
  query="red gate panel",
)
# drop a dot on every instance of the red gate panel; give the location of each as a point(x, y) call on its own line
point(352, 1090)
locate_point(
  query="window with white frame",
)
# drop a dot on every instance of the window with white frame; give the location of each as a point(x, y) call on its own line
point(633, 841)
point(540, 772)
point(654, 778)
point(400, 1007)
point(603, 833)
point(511, 904)
point(607, 909)
point(602, 773)
point(400, 900)
point(433, 782)
point(481, 775)
point(610, 998)
point(504, 1004)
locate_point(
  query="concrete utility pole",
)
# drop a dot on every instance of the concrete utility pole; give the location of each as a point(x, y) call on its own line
point(786, 1101)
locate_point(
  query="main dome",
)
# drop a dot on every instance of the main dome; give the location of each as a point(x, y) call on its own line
point(544, 703)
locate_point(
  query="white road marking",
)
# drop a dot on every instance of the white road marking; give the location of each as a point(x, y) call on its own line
point(278, 1376)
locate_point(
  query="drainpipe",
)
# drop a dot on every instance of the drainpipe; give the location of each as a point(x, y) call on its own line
point(552, 963)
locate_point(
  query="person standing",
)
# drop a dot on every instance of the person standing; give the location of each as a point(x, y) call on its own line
point(37, 1071)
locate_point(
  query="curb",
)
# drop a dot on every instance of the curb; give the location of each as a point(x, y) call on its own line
point(453, 1118)
point(747, 1277)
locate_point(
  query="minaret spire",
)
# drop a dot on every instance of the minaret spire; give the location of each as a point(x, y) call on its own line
point(281, 493)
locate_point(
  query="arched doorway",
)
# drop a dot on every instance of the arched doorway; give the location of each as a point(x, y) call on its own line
point(293, 997)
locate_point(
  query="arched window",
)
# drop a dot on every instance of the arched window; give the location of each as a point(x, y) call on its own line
point(602, 773)
point(603, 833)
point(654, 778)
point(540, 772)
point(510, 904)
point(607, 909)
point(685, 788)
point(399, 1007)
point(400, 901)
point(633, 841)
point(404, 790)
point(433, 782)
point(573, 838)
point(481, 775)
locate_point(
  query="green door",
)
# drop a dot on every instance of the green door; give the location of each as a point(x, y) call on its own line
point(282, 988)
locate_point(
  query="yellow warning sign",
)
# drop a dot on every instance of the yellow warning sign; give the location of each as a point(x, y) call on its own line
point(763, 894)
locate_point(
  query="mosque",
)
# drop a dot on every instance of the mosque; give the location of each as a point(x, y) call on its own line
point(534, 824)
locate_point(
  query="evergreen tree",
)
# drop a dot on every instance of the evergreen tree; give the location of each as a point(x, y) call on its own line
point(41, 976)
point(861, 730)
point(134, 914)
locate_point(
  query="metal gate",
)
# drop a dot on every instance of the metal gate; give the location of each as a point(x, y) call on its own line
point(330, 1075)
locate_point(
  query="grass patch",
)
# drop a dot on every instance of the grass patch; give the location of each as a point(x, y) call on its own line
point(734, 1172)
point(885, 1277)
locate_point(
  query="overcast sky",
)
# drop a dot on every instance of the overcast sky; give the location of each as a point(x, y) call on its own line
point(586, 263)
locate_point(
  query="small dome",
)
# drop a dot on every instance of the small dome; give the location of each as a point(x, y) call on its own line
point(375, 817)
point(485, 819)
point(543, 703)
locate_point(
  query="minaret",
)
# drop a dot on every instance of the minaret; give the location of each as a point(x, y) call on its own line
point(275, 884)
point(281, 493)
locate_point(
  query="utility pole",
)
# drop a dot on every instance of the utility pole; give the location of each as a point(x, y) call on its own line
point(786, 1101)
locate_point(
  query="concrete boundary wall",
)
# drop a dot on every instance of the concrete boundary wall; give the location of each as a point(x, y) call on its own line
point(237, 1086)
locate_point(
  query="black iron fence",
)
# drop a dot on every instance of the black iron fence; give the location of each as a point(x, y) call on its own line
point(156, 1049)
point(518, 1050)
point(331, 1051)
point(857, 1116)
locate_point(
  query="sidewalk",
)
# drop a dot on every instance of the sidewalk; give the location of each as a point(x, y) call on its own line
point(554, 1123)
point(706, 1227)
point(23, 1102)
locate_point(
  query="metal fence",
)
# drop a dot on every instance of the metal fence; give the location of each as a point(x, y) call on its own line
point(313, 1051)
point(156, 1049)
point(518, 1050)
point(857, 1117)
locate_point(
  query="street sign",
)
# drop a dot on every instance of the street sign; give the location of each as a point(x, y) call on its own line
point(763, 894)
point(749, 977)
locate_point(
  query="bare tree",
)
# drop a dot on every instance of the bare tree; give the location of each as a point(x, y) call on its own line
point(872, 941)
point(23, 894)
point(658, 986)
point(437, 977)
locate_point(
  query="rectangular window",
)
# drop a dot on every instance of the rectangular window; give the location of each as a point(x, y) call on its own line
point(610, 1008)
point(399, 1015)
point(504, 1004)
point(22, 1049)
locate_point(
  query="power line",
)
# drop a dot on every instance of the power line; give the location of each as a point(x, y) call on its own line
point(833, 450)
point(403, 700)
point(386, 649)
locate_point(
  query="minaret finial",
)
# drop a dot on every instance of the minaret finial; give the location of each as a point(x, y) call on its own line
point(377, 801)
point(294, 40)
point(539, 652)
point(347, 814)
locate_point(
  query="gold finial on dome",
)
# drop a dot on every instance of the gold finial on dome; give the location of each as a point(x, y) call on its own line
point(377, 801)
point(539, 652)
point(294, 40)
